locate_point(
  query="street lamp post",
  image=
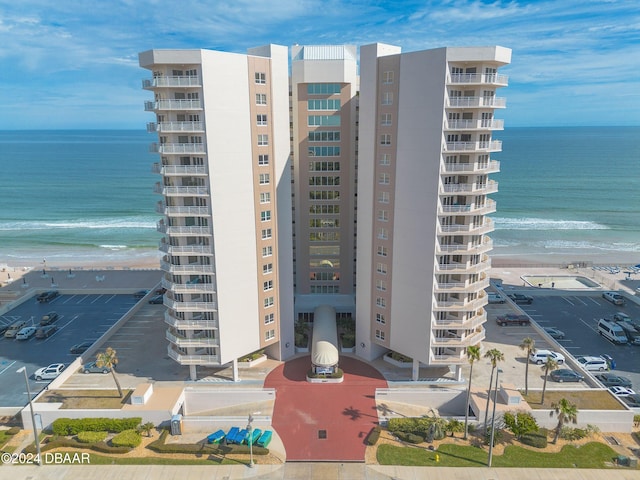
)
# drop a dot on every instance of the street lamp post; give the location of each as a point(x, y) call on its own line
point(493, 417)
point(249, 428)
point(33, 415)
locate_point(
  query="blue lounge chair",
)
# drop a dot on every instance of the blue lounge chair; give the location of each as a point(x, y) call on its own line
point(241, 436)
point(255, 435)
point(216, 437)
point(231, 434)
point(265, 438)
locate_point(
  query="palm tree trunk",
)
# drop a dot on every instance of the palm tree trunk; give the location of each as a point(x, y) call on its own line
point(115, 379)
point(544, 385)
point(486, 411)
point(466, 413)
point(557, 432)
point(526, 374)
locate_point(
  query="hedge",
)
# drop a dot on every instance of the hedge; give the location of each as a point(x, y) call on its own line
point(59, 442)
point(73, 426)
point(159, 446)
point(91, 437)
point(127, 438)
point(535, 439)
point(373, 436)
point(409, 437)
point(12, 431)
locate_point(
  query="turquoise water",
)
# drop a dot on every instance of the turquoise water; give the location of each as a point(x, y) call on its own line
point(89, 194)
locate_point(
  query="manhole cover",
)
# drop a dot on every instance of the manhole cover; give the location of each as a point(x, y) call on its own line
point(322, 434)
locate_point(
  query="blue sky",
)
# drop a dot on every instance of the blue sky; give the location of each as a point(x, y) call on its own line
point(74, 63)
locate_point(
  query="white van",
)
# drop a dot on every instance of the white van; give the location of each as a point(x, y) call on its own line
point(612, 331)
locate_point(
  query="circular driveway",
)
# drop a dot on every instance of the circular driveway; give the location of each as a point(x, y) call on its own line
point(345, 412)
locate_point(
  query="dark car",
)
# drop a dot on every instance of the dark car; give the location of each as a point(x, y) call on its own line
point(612, 380)
point(512, 319)
point(46, 331)
point(554, 332)
point(80, 348)
point(140, 294)
point(49, 318)
point(47, 296)
point(632, 400)
point(565, 375)
point(521, 299)
point(157, 299)
point(91, 367)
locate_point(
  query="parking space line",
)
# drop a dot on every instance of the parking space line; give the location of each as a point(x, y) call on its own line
point(568, 301)
point(588, 325)
point(96, 299)
point(7, 368)
point(112, 297)
point(69, 299)
point(596, 302)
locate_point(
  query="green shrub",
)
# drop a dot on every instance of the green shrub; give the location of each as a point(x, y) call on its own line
point(12, 431)
point(62, 442)
point(159, 446)
point(127, 438)
point(398, 357)
point(409, 437)
point(301, 340)
point(402, 425)
point(636, 420)
point(73, 426)
point(374, 435)
point(498, 435)
point(91, 437)
point(568, 433)
point(535, 439)
point(252, 356)
point(348, 340)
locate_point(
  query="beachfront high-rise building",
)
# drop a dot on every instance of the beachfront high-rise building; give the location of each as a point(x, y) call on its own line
point(222, 121)
point(425, 144)
point(270, 183)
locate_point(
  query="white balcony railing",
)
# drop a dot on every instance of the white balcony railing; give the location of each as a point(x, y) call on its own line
point(465, 248)
point(178, 170)
point(469, 102)
point(481, 124)
point(167, 127)
point(473, 209)
point(182, 211)
point(172, 81)
point(190, 306)
point(177, 148)
point(468, 287)
point(475, 167)
point(183, 359)
point(485, 188)
point(170, 191)
point(188, 104)
point(181, 324)
point(186, 269)
point(469, 323)
point(185, 249)
point(467, 340)
point(491, 146)
point(193, 342)
point(191, 288)
point(479, 78)
point(182, 230)
point(472, 228)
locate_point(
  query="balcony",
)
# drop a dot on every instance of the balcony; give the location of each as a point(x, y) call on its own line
point(463, 267)
point(457, 356)
point(473, 209)
point(480, 188)
point(466, 248)
point(492, 146)
point(458, 306)
point(177, 148)
point(171, 81)
point(171, 191)
point(464, 287)
point(168, 127)
point(471, 228)
point(182, 211)
point(478, 78)
point(181, 324)
point(190, 306)
point(185, 249)
point(481, 124)
point(182, 230)
point(492, 166)
point(183, 359)
point(178, 170)
point(192, 269)
point(193, 342)
point(189, 288)
point(472, 322)
point(471, 102)
point(189, 104)
point(456, 342)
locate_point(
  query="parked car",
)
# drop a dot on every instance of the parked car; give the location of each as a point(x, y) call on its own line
point(91, 367)
point(26, 333)
point(610, 361)
point(4, 328)
point(14, 328)
point(520, 298)
point(49, 318)
point(612, 380)
point(593, 364)
point(157, 299)
point(621, 391)
point(540, 356)
point(50, 372)
point(47, 296)
point(512, 319)
point(621, 317)
point(612, 331)
point(632, 400)
point(565, 375)
point(79, 348)
point(496, 298)
point(140, 294)
point(554, 332)
point(614, 298)
point(46, 331)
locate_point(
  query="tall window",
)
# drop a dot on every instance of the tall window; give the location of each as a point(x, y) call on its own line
point(265, 197)
point(384, 179)
point(267, 251)
point(261, 98)
point(385, 159)
point(264, 179)
point(381, 302)
point(263, 139)
point(269, 318)
point(267, 268)
point(381, 268)
point(383, 234)
point(385, 119)
point(269, 335)
point(387, 98)
point(261, 119)
point(261, 78)
point(380, 335)
point(385, 139)
point(383, 197)
point(265, 216)
point(381, 285)
point(263, 160)
point(268, 285)
point(380, 318)
point(266, 234)
point(387, 77)
point(382, 251)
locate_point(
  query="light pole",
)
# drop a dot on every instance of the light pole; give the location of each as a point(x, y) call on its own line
point(493, 417)
point(33, 415)
point(250, 437)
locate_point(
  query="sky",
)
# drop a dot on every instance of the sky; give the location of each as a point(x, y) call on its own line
point(73, 64)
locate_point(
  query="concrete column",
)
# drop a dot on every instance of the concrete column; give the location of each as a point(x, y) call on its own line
point(459, 373)
point(416, 370)
point(236, 378)
point(193, 374)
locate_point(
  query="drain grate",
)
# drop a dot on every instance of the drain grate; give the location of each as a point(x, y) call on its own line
point(322, 434)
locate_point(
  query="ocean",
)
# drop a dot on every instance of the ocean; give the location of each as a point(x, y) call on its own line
point(87, 196)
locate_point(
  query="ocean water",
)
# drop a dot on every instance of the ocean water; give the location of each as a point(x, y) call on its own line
point(88, 195)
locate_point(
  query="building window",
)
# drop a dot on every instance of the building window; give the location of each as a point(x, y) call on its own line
point(261, 98)
point(269, 318)
point(381, 268)
point(385, 159)
point(324, 136)
point(387, 77)
point(267, 251)
point(383, 234)
point(324, 195)
point(381, 302)
point(324, 181)
point(265, 197)
point(385, 119)
point(261, 78)
point(382, 251)
point(324, 166)
point(263, 139)
point(380, 318)
point(323, 88)
point(261, 119)
point(264, 179)
point(265, 216)
point(385, 139)
point(268, 285)
point(323, 120)
point(263, 160)
point(266, 234)
point(387, 98)
point(380, 335)
point(384, 179)
point(323, 104)
point(324, 151)
point(383, 215)
point(383, 197)
point(267, 268)
point(381, 285)
point(269, 335)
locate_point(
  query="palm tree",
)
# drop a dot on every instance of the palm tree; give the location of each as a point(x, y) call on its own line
point(548, 366)
point(109, 359)
point(495, 356)
point(566, 412)
point(473, 354)
point(528, 344)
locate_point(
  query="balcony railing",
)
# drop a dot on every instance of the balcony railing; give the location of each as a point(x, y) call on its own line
point(182, 230)
point(468, 323)
point(487, 208)
point(492, 146)
point(475, 167)
point(485, 188)
point(186, 269)
point(188, 104)
point(469, 102)
point(484, 227)
point(175, 127)
point(188, 287)
point(182, 211)
point(185, 342)
point(465, 248)
point(177, 148)
point(181, 324)
point(478, 124)
point(463, 267)
point(468, 287)
point(172, 81)
point(178, 170)
point(468, 340)
point(185, 249)
point(170, 191)
point(480, 78)
point(190, 306)
point(183, 359)
point(459, 306)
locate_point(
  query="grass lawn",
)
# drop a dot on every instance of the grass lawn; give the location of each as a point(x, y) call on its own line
point(4, 438)
point(99, 399)
point(583, 399)
point(591, 455)
point(102, 460)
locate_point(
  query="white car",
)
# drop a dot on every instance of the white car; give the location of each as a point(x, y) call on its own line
point(593, 364)
point(50, 372)
point(621, 391)
point(614, 298)
point(26, 333)
point(540, 357)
